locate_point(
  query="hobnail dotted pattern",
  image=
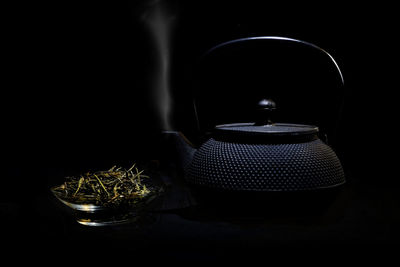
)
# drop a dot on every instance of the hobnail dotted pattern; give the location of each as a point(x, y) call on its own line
point(265, 167)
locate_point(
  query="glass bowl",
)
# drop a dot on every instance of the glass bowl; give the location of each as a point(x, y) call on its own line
point(99, 215)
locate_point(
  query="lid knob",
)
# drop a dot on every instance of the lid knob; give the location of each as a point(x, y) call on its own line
point(265, 109)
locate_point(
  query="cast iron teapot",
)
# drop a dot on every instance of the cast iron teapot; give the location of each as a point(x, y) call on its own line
point(261, 156)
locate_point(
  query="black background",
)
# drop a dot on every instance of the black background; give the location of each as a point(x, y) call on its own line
point(74, 73)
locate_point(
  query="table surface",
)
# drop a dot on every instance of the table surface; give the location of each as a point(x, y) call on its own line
point(360, 215)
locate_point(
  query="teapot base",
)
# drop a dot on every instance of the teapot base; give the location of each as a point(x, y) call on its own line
point(267, 203)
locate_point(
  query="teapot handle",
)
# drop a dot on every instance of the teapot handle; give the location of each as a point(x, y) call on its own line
point(276, 38)
point(272, 38)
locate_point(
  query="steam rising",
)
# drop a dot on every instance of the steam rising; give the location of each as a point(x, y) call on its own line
point(159, 18)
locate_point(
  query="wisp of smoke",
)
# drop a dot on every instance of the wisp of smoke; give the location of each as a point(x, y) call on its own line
point(159, 18)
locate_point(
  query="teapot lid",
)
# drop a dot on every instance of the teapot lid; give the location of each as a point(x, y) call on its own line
point(263, 127)
point(275, 129)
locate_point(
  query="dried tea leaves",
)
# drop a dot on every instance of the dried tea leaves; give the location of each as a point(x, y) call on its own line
point(107, 188)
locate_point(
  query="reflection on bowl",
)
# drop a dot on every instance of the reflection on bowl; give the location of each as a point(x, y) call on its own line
point(77, 206)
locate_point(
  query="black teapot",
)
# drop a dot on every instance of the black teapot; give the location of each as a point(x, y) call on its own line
point(260, 156)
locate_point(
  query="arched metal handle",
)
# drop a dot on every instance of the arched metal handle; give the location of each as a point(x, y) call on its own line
point(278, 38)
point(272, 38)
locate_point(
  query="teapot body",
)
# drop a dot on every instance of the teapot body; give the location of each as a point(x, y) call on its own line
point(279, 166)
